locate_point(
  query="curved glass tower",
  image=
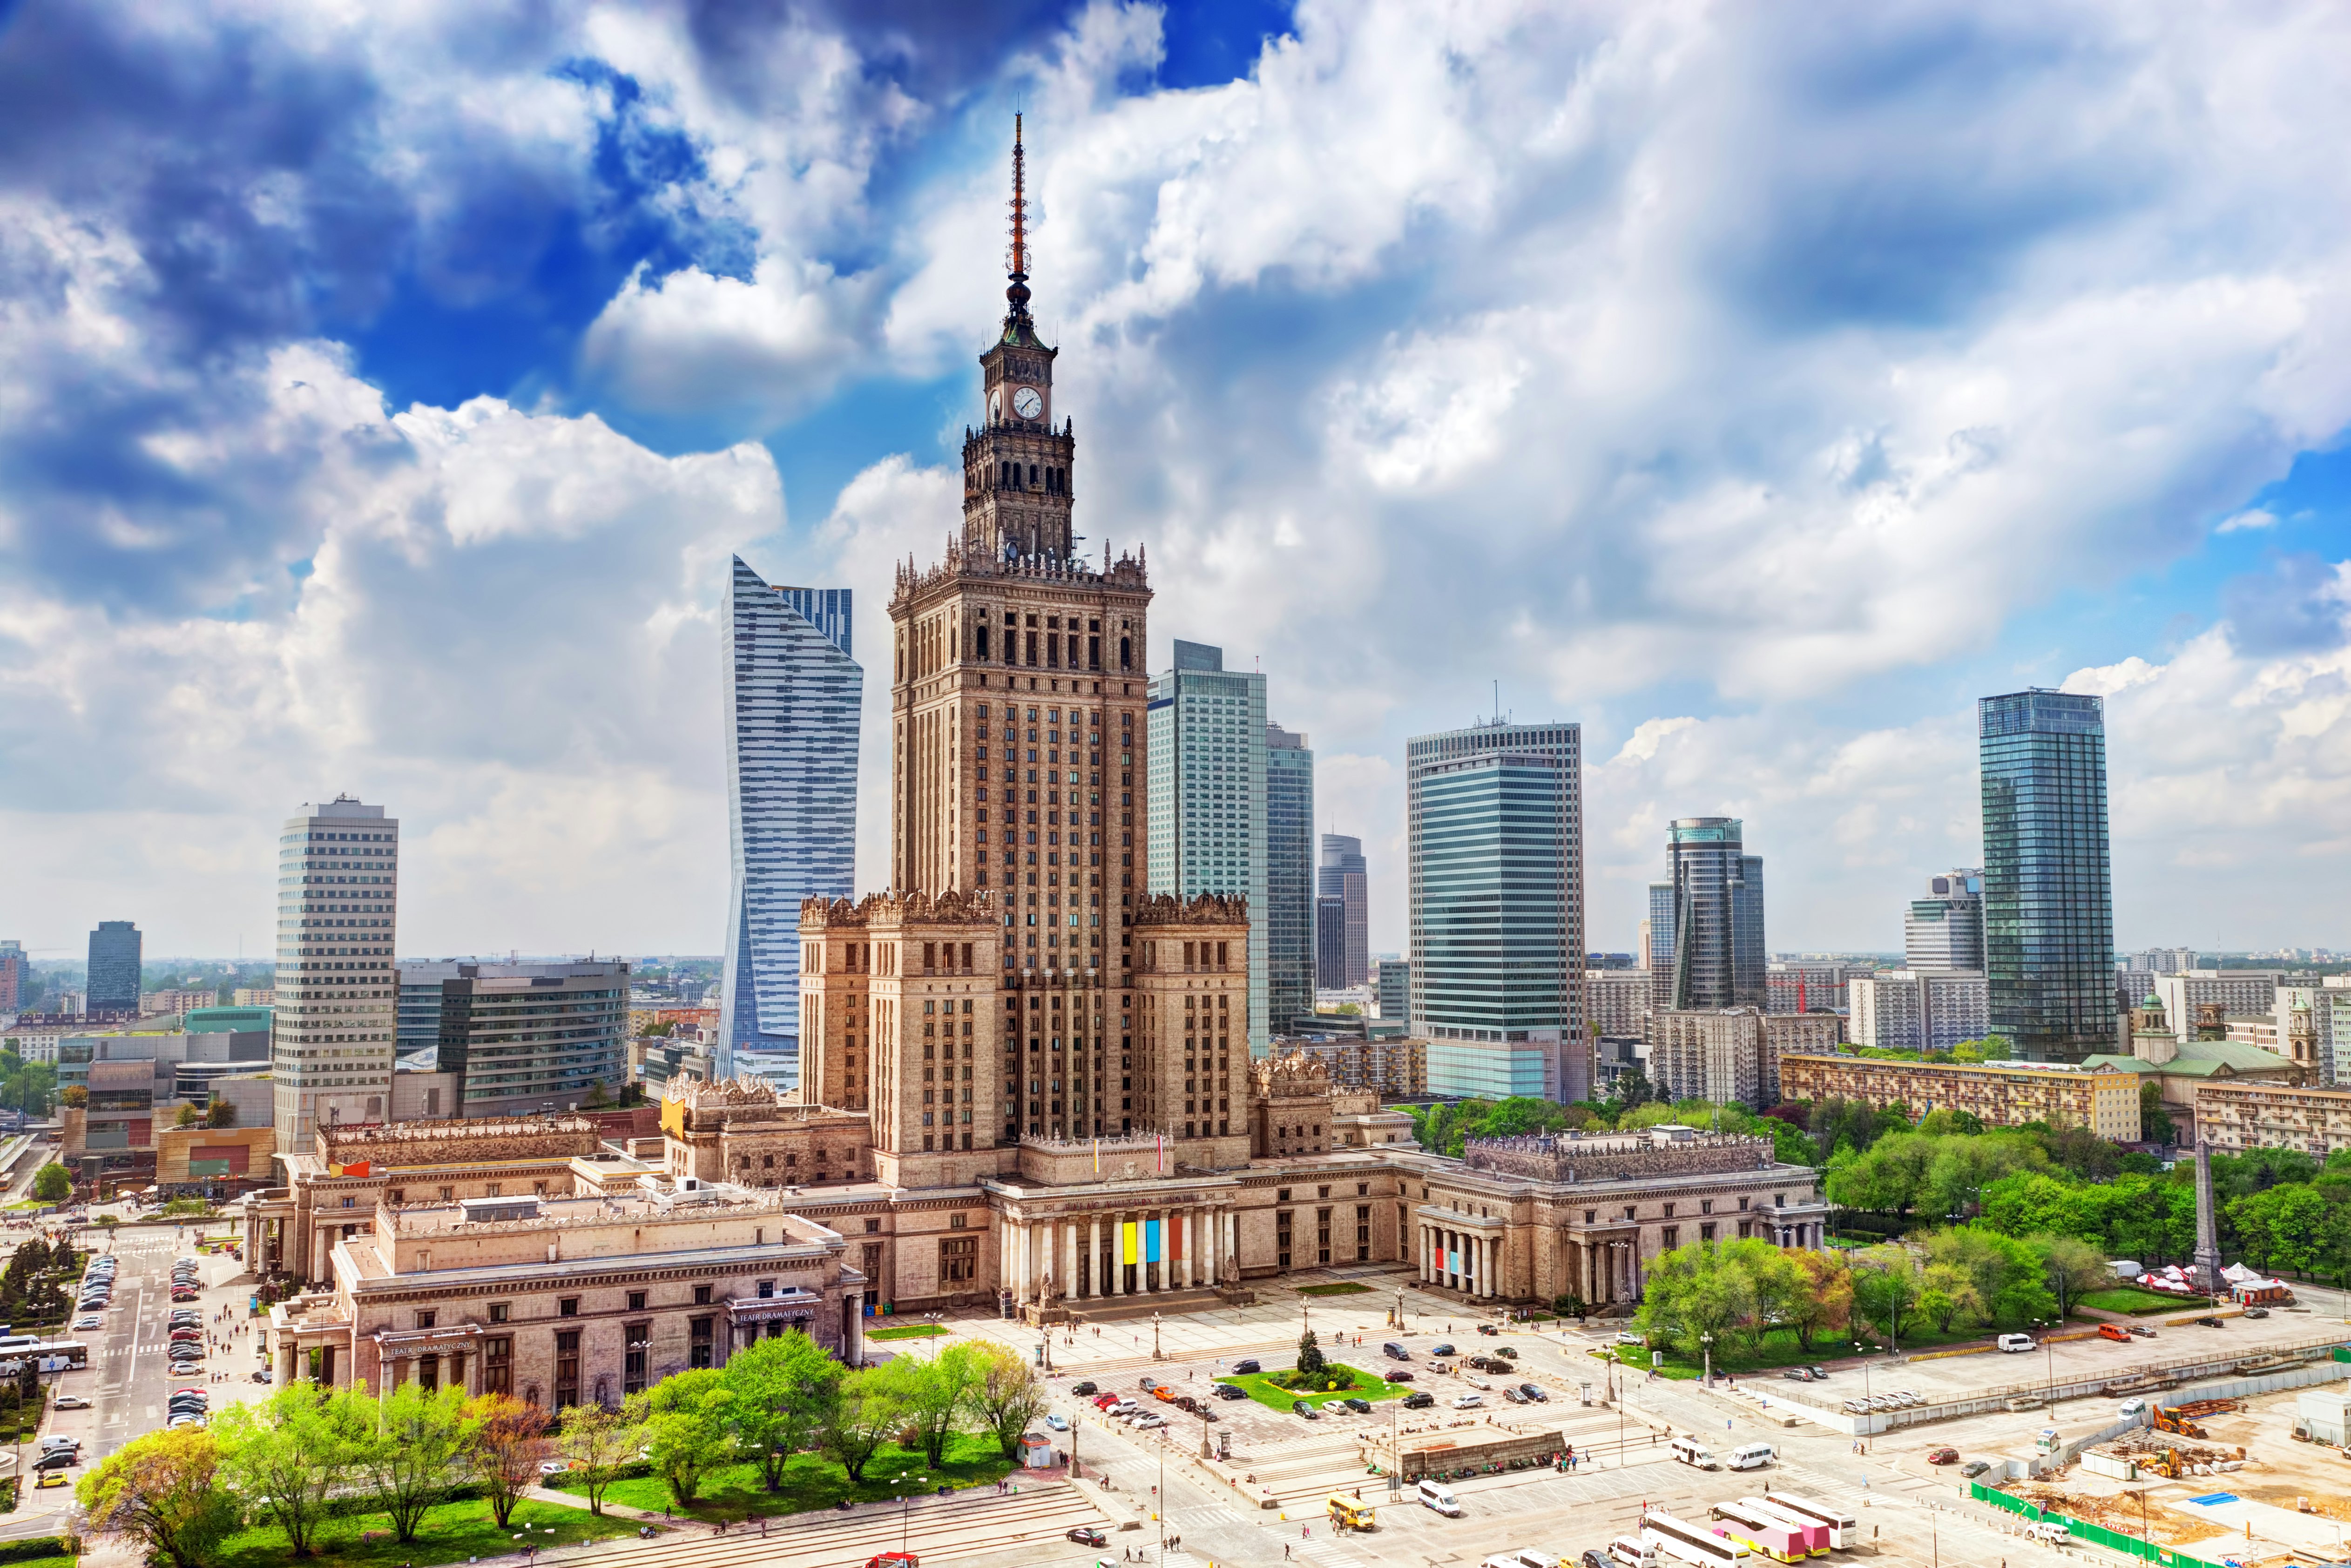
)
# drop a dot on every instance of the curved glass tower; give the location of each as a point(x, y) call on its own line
point(2048, 888)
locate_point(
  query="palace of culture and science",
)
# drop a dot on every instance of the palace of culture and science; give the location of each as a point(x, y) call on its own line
point(1025, 1081)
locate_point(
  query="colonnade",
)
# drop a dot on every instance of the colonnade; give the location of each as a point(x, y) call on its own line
point(1464, 1261)
point(1606, 1268)
point(1083, 1256)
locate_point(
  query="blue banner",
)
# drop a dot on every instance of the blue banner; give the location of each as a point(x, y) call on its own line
point(1151, 1242)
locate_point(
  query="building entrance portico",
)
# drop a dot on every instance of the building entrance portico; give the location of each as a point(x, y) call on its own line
point(1063, 1251)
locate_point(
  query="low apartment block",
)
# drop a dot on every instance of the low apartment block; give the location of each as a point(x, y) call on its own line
point(2241, 1116)
point(2102, 1097)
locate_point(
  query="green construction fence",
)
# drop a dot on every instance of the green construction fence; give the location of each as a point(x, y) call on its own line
point(2096, 1535)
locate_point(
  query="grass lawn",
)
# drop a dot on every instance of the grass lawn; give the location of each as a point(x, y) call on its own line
point(1273, 1397)
point(452, 1533)
point(810, 1481)
point(2131, 1299)
point(47, 1563)
point(907, 1331)
point(1337, 1288)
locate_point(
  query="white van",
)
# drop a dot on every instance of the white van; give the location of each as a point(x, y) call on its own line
point(1439, 1497)
point(1533, 1557)
point(2011, 1342)
point(1751, 1456)
point(1690, 1451)
point(2131, 1409)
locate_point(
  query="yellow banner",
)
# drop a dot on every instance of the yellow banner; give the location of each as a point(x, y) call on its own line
point(1126, 1241)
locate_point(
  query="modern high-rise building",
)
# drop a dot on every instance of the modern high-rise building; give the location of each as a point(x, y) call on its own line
point(114, 966)
point(792, 694)
point(1345, 875)
point(1329, 940)
point(533, 1039)
point(1719, 951)
point(1289, 913)
point(1209, 750)
point(336, 1022)
point(1918, 1009)
point(1392, 987)
point(1495, 818)
point(13, 971)
point(2048, 926)
point(1945, 929)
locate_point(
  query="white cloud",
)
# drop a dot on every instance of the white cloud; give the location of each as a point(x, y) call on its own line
point(2250, 517)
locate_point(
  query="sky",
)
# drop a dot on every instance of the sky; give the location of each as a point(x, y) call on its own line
point(384, 388)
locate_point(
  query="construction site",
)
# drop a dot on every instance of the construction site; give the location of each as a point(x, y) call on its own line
point(2241, 1481)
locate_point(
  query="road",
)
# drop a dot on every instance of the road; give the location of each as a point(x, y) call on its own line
point(129, 1377)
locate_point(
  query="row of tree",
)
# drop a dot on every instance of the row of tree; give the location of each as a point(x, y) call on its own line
point(1446, 1129)
point(308, 1451)
point(1738, 1291)
point(2278, 1210)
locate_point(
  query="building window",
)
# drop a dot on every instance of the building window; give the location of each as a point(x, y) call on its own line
point(636, 1300)
point(1362, 1233)
point(958, 1259)
point(699, 1339)
point(1282, 1237)
point(636, 1339)
point(428, 1374)
point(702, 1295)
point(499, 1311)
point(766, 1290)
point(1706, 1231)
point(566, 1370)
point(497, 1363)
point(567, 1307)
point(425, 1319)
point(1323, 1235)
point(1672, 1236)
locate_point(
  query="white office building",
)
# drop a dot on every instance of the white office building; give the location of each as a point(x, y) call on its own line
point(1918, 1009)
point(336, 1024)
point(1208, 802)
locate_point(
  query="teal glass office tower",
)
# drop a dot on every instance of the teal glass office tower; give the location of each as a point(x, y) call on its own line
point(1288, 877)
point(791, 705)
point(1494, 817)
point(114, 968)
point(1208, 800)
point(2048, 887)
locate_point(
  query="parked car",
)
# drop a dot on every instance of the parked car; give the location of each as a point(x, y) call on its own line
point(1509, 1351)
point(1241, 1367)
point(1057, 1422)
point(1534, 1394)
point(1228, 1391)
point(90, 1323)
point(1444, 1350)
point(1418, 1400)
point(1467, 1401)
point(2257, 1311)
point(62, 1459)
point(2141, 1331)
point(2113, 1331)
point(1798, 1374)
point(893, 1560)
point(1400, 1375)
point(1627, 1337)
point(50, 1478)
point(1082, 1389)
point(72, 1402)
point(1821, 1373)
point(1488, 1329)
point(1514, 1396)
point(2208, 1322)
point(1300, 1407)
point(1975, 1467)
point(553, 1467)
point(1105, 1401)
point(1087, 1536)
point(1943, 1456)
point(1360, 1407)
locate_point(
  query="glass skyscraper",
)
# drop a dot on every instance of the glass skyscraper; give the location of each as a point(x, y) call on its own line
point(2048, 893)
point(1346, 877)
point(1495, 818)
point(1718, 950)
point(1288, 877)
point(114, 967)
point(1207, 823)
point(792, 693)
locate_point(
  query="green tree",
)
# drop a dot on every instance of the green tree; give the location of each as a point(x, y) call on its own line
point(164, 1489)
point(598, 1442)
point(412, 1456)
point(1824, 1299)
point(1008, 1397)
point(862, 1419)
point(1886, 1288)
point(2281, 1227)
point(779, 1392)
point(2072, 1269)
point(53, 1183)
point(1310, 1359)
point(1693, 1291)
point(937, 1394)
point(684, 1420)
point(288, 1453)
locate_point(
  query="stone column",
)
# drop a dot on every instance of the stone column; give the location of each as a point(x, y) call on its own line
point(1008, 1258)
point(853, 1346)
point(1191, 1243)
point(1233, 1229)
point(1157, 1272)
point(1068, 1229)
point(1117, 1252)
point(1212, 1226)
point(1494, 1269)
point(1093, 1258)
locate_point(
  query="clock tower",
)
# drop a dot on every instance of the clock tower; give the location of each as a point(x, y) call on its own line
point(1016, 466)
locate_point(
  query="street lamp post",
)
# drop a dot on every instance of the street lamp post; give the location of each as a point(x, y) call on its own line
point(906, 1508)
point(1705, 1344)
point(1865, 1389)
point(1155, 1336)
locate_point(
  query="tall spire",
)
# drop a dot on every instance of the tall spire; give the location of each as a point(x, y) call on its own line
point(1016, 266)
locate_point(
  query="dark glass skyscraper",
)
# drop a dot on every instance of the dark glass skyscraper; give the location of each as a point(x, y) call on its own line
point(113, 968)
point(1288, 876)
point(2048, 890)
point(1345, 877)
point(1718, 953)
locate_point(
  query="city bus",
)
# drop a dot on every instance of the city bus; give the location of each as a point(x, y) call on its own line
point(1844, 1529)
point(1764, 1536)
point(1810, 1534)
point(1687, 1544)
point(57, 1355)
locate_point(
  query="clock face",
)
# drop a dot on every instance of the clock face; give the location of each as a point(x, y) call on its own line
point(1028, 403)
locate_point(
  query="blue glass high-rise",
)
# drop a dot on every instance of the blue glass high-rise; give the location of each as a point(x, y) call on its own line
point(1288, 877)
point(792, 693)
point(2048, 886)
point(114, 968)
